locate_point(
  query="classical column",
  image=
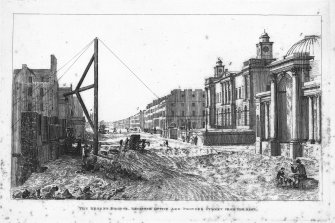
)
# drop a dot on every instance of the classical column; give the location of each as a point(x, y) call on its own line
point(275, 149)
point(318, 119)
point(310, 121)
point(229, 93)
point(295, 147)
point(258, 126)
point(232, 104)
point(207, 104)
point(222, 96)
point(266, 120)
point(226, 93)
point(245, 87)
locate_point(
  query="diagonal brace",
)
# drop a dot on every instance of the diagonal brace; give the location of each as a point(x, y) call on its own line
point(85, 110)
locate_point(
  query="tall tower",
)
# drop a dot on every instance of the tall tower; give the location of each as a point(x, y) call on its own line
point(264, 47)
point(219, 68)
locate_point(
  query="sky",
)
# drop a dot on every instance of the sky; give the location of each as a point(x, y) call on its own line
point(165, 51)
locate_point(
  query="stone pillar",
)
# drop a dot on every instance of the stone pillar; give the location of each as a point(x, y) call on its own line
point(222, 92)
point(318, 119)
point(295, 146)
point(229, 93)
point(266, 120)
point(245, 87)
point(310, 121)
point(226, 92)
point(274, 145)
point(258, 127)
point(232, 104)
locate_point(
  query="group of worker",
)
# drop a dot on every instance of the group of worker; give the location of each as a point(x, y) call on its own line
point(293, 179)
point(192, 139)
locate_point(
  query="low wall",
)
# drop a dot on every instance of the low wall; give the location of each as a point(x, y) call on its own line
point(216, 138)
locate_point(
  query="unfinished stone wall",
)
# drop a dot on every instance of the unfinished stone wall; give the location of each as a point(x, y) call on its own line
point(40, 142)
point(27, 161)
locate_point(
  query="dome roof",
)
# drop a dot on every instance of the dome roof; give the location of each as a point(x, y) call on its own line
point(264, 35)
point(219, 62)
point(309, 44)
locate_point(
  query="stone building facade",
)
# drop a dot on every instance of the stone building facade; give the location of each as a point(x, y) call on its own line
point(38, 119)
point(182, 109)
point(277, 99)
point(185, 109)
point(230, 95)
point(289, 114)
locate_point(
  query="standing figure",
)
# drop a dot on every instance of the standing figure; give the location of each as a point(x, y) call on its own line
point(126, 143)
point(196, 140)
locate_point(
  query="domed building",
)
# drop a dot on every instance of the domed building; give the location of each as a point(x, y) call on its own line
point(273, 102)
point(289, 114)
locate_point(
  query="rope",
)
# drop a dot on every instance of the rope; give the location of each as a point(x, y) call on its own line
point(82, 50)
point(56, 82)
point(122, 62)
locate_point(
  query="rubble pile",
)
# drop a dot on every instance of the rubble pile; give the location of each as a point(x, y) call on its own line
point(252, 176)
point(180, 171)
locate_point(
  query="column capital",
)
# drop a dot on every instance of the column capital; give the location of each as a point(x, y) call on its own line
point(273, 76)
point(306, 68)
point(295, 71)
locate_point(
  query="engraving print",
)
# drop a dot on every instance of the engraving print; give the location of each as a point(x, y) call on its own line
point(166, 107)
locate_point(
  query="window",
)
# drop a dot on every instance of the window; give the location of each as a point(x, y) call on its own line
point(30, 91)
point(203, 95)
point(172, 113)
point(203, 104)
point(30, 79)
point(42, 79)
point(29, 107)
point(172, 104)
point(193, 104)
point(193, 113)
point(41, 106)
point(203, 113)
point(239, 93)
point(183, 113)
point(193, 95)
point(41, 92)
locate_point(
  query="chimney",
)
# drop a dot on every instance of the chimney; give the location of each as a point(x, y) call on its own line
point(24, 66)
point(53, 63)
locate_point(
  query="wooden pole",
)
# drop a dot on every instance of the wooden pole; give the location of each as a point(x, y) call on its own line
point(96, 110)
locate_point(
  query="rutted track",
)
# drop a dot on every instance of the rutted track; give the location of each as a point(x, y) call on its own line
point(162, 181)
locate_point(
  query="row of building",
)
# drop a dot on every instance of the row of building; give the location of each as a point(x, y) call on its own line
point(182, 109)
point(273, 102)
point(278, 100)
point(42, 118)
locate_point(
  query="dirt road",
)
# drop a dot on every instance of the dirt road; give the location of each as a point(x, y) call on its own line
point(177, 172)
